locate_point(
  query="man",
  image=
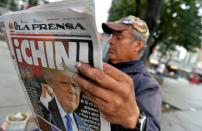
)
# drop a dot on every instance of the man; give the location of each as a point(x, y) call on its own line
point(65, 102)
point(131, 96)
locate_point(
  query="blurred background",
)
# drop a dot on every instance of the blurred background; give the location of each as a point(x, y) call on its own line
point(173, 55)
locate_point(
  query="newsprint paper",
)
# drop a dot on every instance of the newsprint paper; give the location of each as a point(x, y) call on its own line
point(45, 42)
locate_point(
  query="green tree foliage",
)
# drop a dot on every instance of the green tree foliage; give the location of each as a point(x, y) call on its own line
point(14, 4)
point(179, 24)
point(121, 8)
point(33, 2)
point(10, 4)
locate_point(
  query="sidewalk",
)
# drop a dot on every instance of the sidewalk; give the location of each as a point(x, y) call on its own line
point(186, 98)
point(182, 94)
point(12, 98)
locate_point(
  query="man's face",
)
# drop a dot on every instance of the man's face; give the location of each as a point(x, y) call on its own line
point(121, 47)
point(67, 93)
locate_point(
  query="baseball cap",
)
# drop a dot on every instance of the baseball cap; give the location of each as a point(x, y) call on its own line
point(130, 22)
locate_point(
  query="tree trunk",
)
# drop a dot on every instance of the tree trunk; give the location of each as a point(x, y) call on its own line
point(137, 10)
point(150, 50)
point(152, 16)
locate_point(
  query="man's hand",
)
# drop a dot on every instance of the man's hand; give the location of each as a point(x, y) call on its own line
point(112, 91)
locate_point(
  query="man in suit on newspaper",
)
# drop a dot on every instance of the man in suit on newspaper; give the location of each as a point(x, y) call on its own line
point(61, 97)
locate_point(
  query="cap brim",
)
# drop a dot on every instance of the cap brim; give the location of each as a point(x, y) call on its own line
point(109, 27)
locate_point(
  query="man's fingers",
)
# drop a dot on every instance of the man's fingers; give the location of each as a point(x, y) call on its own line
point(100, 104)
point(107, 79)
point(93, 89)
point(96, 75)
point(114, 73)
point(109, 117)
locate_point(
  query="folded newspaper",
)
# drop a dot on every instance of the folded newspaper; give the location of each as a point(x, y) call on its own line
point(45, 42)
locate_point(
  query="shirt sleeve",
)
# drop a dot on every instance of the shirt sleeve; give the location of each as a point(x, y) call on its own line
point(148, 98)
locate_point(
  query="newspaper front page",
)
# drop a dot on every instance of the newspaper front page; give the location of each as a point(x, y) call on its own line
point(45, 42)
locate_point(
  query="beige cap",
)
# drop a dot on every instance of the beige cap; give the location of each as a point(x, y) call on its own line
point(127, 23)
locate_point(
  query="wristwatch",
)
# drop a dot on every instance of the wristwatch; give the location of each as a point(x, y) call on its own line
point(141, 122)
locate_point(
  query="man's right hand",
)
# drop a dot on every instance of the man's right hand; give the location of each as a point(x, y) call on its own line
point(112, 91)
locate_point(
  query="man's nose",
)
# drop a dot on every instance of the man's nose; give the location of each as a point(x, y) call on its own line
point(70, 89)
point(111, 40)
point(74, 88)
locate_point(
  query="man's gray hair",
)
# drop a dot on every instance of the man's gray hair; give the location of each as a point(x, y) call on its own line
point(137, 36)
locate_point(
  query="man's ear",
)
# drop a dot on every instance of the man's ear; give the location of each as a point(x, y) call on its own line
point(138, 45)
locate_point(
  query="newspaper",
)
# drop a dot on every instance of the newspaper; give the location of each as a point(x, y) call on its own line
point(45, 42)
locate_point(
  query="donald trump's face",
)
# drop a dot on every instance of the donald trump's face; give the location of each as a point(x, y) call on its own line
point(66, 91)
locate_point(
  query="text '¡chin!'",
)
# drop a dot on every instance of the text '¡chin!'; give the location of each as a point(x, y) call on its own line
point(51, 54)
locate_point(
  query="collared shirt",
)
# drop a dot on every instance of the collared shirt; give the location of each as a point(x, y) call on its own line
point(147, 93)
point(63, 114)
point(48, 98)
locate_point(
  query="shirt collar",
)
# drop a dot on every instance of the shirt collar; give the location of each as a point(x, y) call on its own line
point(62, 112)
